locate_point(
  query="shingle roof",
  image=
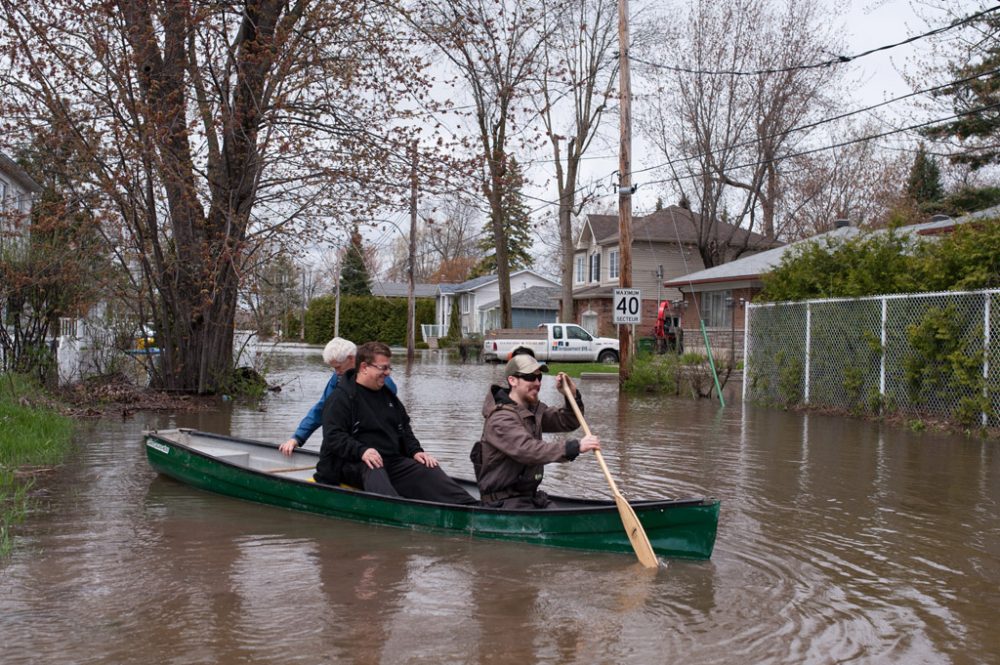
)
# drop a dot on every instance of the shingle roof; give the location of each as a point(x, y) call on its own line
point(751, 267)
point(10, 167)
point(671, 224)
point(476, 282)
point(533, 297)
point(402, 290)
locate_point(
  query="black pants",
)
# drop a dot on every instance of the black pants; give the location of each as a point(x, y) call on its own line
point(403, 476)
point(538, 499)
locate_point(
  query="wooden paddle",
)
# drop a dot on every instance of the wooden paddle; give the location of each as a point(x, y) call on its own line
point(633, 527)
point(286, 469)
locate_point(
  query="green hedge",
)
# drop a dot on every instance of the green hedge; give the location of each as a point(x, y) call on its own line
point(365, 319)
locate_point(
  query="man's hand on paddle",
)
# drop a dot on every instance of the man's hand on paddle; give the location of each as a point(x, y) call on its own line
point(372, 459)
point(563, 379)
point(426, 460)
point(589, 442)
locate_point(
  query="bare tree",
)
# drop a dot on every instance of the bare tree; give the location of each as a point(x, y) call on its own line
point(447, 238)
point(496, 48)
point(208, 128)
point(738, 81)
point(858, 181)
point(577, 83)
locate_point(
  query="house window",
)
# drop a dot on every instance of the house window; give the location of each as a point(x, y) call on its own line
point(466, 303)
point(589, 321)
point(595, 267)
point(613, 264)
point(714, 309)
point(580, 266)
point(3, 195)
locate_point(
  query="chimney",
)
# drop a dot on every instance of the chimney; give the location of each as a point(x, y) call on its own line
point(841, 223)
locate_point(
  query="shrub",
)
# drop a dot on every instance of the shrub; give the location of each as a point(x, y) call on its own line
point(653, 374)
point(365, 319)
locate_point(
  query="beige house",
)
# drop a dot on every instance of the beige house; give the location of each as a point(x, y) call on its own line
point(664, 246)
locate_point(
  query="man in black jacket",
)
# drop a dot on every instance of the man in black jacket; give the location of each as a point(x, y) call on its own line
point(367, 439)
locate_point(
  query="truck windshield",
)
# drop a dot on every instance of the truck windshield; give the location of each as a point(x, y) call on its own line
point(576, 332)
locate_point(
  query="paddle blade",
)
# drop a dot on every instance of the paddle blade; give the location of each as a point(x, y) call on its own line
point(636, 534)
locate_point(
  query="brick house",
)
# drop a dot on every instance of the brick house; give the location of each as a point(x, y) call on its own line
point(664, 246)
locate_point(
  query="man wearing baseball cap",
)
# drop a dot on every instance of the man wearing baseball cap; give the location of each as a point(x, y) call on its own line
point(511, 455)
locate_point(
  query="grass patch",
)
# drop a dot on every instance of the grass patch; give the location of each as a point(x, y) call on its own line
point(574, 370)
point(653, 373)
point(32, 435)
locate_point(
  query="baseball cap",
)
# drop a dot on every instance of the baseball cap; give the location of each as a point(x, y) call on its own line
point(524, 364)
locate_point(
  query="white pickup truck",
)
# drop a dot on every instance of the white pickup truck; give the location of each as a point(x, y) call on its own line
point(551, 342)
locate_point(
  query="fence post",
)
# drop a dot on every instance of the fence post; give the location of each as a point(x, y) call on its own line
point(746, 356)
point(882, 339)
point(808, 345)
point(986, 352)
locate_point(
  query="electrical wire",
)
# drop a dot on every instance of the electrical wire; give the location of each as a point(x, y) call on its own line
point(870, 137)
point(838, 60)
point(818, 123)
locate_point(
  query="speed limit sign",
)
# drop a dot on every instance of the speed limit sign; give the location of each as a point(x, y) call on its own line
point(627, 306)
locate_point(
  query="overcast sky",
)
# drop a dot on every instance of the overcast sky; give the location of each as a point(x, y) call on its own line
point(866, 24)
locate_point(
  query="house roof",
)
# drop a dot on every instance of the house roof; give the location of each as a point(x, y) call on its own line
point(752, 267)
point(402, 290)
point(476, 282)
point(533, 297)
point(672, 224)
point(10, 167)
point(594, 291)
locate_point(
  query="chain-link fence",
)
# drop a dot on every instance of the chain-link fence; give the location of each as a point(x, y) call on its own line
point(927, 354)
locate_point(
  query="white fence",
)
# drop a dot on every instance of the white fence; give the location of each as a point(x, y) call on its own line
point(926, 354)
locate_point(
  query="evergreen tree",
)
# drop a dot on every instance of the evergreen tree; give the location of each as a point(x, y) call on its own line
point(354, 278)
point(517, 228)
point(977, 129)
point(924, 183)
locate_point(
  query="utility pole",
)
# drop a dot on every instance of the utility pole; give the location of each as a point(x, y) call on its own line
point(302, 322)
point(336, 306)
point(411, 306)
point(624, 187)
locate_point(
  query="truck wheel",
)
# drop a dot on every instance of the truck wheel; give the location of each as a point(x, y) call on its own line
point(608, 357)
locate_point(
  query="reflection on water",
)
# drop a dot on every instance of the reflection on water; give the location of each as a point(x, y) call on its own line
point(838, 541)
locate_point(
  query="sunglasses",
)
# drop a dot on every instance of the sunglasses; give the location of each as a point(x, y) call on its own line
point(529, 377)
point(385, 369)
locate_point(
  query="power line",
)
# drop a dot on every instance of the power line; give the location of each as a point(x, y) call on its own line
point(584, 188)
point(842, 144)
point(824, 121)
point(838, 60)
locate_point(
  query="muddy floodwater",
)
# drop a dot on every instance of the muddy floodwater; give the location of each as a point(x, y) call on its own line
point(839, 542)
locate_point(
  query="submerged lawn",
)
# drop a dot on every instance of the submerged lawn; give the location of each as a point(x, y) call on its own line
point(30, 437)
point(576, 369)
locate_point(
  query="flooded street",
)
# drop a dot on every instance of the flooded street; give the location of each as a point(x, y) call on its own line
point(839, 541)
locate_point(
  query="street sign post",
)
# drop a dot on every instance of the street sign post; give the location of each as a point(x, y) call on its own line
point(626, 306)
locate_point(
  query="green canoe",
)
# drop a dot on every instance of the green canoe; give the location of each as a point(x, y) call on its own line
point(257, 471)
